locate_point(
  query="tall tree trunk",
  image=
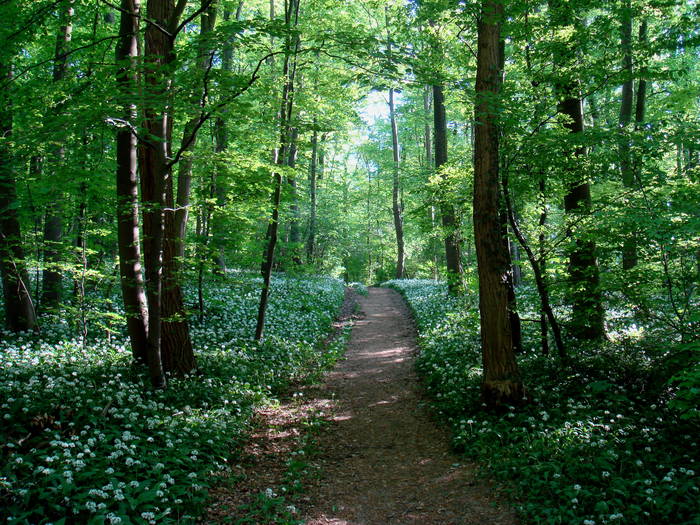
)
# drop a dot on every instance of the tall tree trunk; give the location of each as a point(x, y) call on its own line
point(541, 261)
point(587, 316)
point(131, 278)
point(155, 169)
point(641, 104)
point(434, 243)
point(311, 239)
point(53, 222)
point(294, 229)
point(177, 354)
point(629, 247)
point(501, 384)
point(450, 225)
point(291, 48)
point(396, 203)
point(19, 309)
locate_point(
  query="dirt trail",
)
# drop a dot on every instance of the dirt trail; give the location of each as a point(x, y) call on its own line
point(385, 460)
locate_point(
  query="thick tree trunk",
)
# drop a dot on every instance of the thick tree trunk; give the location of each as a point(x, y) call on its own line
point(131, 278)
point(177, 354)
point(397, 205)
point(453, 256)
point(587, 316)
point(502, 384)
point(53, 221)
point(176, 346)
point(155, 170)
point(19, 309)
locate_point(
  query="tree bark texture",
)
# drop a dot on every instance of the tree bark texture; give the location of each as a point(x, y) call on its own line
point(294, 226)
point(501, 384)
point(130, 271)
point(53, 221)
point(19, 308)
point(155, 169)
point(397, 205)
point(177, 353)
point(311, 239)
point(453, 255)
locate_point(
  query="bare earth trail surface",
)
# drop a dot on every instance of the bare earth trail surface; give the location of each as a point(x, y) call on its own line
point(383, 459)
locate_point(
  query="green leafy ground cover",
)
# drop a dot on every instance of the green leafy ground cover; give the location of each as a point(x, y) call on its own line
point(84, 440)
point(601, 441)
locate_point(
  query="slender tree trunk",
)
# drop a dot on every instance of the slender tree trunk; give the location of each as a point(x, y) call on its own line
point(217, 227)
point(450, 224)
point(501, 384)
point(429, 163)
point(19, 309)
point(515, 323)
point(397, 205)
point(629, 248)
point(541, 261)
point(537, 268)
point(311, 239)
point(294, 229)
point(53, 222)
point(641, 104)
point(280, 158)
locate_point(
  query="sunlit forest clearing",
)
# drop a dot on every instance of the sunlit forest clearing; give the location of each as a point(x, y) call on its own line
point(319, 261)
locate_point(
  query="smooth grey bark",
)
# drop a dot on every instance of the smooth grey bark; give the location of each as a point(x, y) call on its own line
point(130, 270)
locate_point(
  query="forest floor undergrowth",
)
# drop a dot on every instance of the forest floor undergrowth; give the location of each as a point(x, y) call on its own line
point(361, 447)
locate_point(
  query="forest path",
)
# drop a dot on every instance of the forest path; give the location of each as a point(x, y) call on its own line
point(384, 460)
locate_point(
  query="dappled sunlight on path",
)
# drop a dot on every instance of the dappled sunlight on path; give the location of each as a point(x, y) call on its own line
point(384, 460)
